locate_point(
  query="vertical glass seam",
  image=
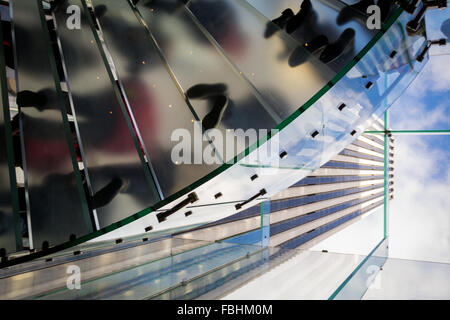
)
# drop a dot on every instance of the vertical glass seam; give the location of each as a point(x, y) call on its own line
point(151, 182)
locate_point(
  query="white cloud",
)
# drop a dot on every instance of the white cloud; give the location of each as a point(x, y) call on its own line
point(420, 212)
point(435, 77)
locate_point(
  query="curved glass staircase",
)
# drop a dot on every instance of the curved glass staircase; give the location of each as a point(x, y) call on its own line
point(117, 105)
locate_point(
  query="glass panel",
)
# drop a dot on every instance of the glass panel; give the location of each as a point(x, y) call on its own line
point(10, 236)
point(308, 139)
point(153, 278)
point(188, 269)
point(437, 23)
point(109, 149)
point(52, 275)
point(315, 136)
point(327, 17)
point(195, 60)
point(423, 106)
point(214, 284)
point(419, 221)
point(351, 105)
point(308, 230)
point(55, 192)
point(362, 278)
point(90, 249)
point(301, 275)
point(360, 236)
point(239, 30)
point(158, 107)
point(369, 88)
point(190, 216)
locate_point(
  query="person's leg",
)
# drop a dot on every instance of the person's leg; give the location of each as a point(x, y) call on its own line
point(296, 21)
point(278, 23)
point(342, 45)
point(29, 98)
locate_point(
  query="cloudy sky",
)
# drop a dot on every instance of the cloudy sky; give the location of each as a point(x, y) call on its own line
point(420, 214)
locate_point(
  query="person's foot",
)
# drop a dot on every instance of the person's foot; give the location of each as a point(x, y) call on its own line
point(28, 98)
point(100, 10)
point(349, 12)
point(105, 195)
point(314, 47)
point(278, 23)
point(385, 7)
point(205, 91)
point(342, 45)
point(296, 21)
point(213, 118)
point(52, 6)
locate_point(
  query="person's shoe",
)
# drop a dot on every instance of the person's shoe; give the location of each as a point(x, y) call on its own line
point(28, 98)
point(213, 118)
point(278, 23)
point(105, 195)
point(315, 47)
point(317, 44)
point(296, 21)
point(342, 45)
point(205, 91)
point(100, 10)
point(349, 12)
point(385, 7)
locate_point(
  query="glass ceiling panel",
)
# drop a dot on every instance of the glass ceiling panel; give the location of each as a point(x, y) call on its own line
point(425, 104)
point(408, 279)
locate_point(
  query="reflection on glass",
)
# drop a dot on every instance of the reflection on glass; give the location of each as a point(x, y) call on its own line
point(437, 23)
point(195, 61)
point(410, 280)
point(111, 158)
point(157, 105)
point(56, 197)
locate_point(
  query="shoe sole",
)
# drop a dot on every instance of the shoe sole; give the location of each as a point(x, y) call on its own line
point(223, 107)
point(347, 36)
point(210, 90)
